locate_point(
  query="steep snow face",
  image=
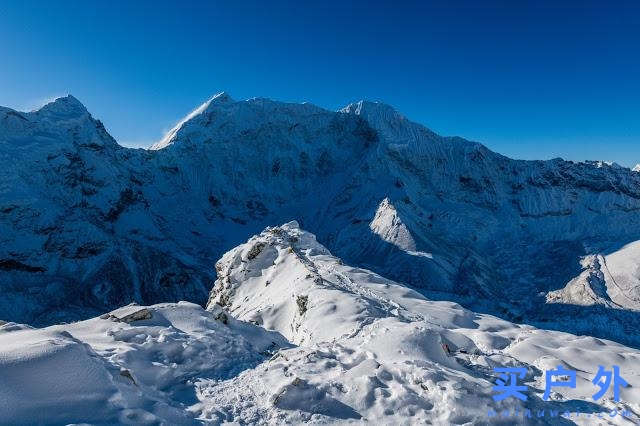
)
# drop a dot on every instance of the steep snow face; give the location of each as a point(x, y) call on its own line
point(87, 220)
point(588, 288)
point(623, 273)
point(371, 349)
point(392, 126)
point(388, 225)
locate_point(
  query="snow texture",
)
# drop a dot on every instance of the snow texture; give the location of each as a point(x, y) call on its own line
point(291, 334)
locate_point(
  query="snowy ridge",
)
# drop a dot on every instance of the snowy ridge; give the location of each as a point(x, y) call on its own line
point(389, 226)
point(371, 349)
point(361, 348)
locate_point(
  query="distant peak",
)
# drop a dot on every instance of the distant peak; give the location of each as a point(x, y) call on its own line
point(603, 164)
point(64, 106)
point(364, 107)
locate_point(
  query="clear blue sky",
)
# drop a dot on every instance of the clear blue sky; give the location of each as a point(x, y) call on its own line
point(530, 79)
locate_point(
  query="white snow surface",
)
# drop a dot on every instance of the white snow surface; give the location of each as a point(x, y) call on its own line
point(608, 279)
point(375, 346)
point(103, 371)
point(291, 335)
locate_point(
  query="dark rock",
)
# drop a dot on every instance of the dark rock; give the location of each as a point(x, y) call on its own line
point(14, 265)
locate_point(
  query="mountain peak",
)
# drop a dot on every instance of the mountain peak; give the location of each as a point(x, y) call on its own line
point(603, 164)
point(66, 106)
point(217, 99)
point(222, 97)
point(389, 123)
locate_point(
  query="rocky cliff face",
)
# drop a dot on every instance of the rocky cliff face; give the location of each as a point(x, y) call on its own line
point(84, 219)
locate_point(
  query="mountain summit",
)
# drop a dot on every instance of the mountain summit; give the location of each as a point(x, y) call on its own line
point(219, 98)
point(63, 107)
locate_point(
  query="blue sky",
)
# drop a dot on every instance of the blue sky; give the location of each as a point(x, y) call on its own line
point(529, 79)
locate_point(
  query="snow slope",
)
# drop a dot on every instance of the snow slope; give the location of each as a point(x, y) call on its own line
point(108, 371)
point(301, 337)
point(85, 220)
point(611, 280)
point(376, 347)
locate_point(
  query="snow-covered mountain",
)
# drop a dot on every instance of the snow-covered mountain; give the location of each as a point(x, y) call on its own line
point(87, 225)
point(291, 334)
point(76, 229)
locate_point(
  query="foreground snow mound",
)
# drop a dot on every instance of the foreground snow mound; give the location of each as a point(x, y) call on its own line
point(371, 349)
point(44, 371)
point(135, 365)
point(284, 280)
